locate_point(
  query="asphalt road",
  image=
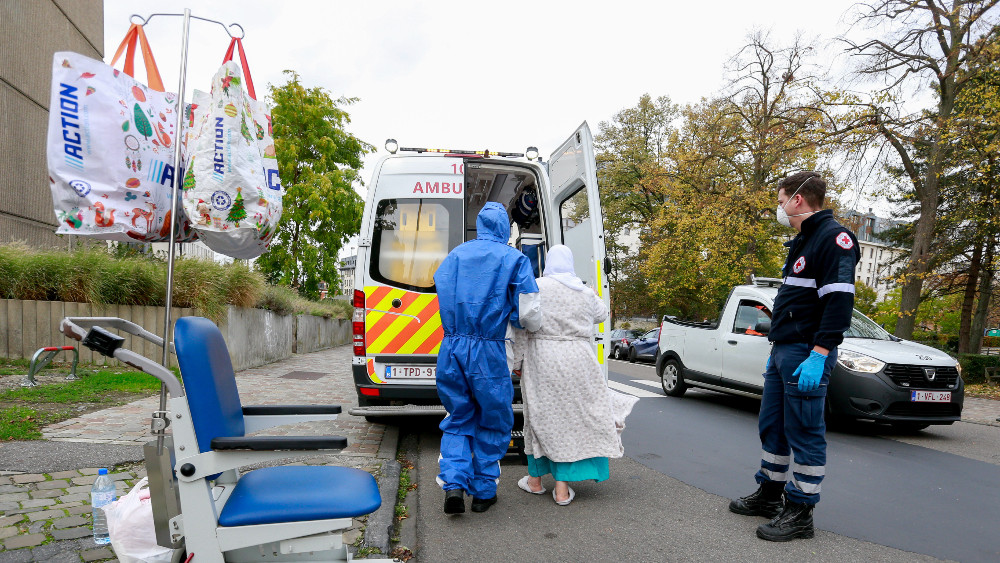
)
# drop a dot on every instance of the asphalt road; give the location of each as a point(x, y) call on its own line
point(887, 497)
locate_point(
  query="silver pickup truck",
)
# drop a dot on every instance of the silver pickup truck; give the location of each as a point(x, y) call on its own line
point(877, 377)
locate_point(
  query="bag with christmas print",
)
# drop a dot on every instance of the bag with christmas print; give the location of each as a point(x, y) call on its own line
point(232, 194)
point(110, 146)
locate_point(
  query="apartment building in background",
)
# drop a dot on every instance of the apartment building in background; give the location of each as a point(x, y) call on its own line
point(347, 267)
point(880, 262)
point(32, 31)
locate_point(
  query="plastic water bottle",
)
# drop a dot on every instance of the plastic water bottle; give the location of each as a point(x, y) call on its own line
point(102, 493)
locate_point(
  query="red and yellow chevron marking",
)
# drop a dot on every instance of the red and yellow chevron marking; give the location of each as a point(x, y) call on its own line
point(386, 333)
point(371, 372)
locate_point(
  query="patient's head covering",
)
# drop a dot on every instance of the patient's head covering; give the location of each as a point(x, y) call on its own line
point(559, 266)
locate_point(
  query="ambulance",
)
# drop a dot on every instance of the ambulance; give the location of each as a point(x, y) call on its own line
point(421, 204)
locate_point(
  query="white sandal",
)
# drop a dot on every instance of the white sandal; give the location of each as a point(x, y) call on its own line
point(572, 495)
point(523, 484)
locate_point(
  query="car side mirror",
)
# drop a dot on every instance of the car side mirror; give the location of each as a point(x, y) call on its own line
point(763, 327)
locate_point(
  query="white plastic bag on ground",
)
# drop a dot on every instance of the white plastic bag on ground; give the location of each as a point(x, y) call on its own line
point(130, 525)
point(232, 194)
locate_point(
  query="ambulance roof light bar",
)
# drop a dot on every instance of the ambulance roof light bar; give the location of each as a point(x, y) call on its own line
point(392, 146)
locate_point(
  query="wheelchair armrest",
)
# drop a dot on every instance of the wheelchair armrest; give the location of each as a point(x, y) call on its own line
point(284, 410)
point(276, 443)
point(259, 417)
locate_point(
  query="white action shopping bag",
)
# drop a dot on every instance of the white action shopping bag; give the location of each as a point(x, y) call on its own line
point(131, 528)
point(232, 193)
point(110, 147)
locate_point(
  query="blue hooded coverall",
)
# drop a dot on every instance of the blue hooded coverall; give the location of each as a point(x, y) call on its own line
point(482, 285)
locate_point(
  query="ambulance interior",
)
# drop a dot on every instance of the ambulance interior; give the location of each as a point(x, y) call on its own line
point(517, 189)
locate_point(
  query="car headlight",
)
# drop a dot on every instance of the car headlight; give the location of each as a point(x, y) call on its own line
point(958, 366)
point(859, 362)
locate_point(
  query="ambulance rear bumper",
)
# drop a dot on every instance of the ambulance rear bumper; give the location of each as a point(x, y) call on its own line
point(407, 400)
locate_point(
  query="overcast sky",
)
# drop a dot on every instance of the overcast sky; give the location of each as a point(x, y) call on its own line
point(498, 75)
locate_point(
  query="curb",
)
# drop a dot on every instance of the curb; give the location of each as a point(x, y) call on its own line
point(379, 526)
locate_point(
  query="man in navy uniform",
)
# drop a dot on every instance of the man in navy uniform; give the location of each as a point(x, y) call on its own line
point(811, 312)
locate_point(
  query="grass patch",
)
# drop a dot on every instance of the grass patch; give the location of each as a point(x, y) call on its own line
point(24, 411)
point(23, 423)
point(91, 388)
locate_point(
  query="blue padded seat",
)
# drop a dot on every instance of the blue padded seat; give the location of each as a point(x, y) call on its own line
point(299, 493)
point(209, 380)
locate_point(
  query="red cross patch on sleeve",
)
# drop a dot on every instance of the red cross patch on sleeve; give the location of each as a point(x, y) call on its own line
point(844, 241)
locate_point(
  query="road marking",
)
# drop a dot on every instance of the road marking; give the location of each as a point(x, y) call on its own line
point(634, 391)
point(647, 383)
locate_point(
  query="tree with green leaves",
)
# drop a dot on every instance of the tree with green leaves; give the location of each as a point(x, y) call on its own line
point(716, 228)
point(631, 152)
point(318, 162)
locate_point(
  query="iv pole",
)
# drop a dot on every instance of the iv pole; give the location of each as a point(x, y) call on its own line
point(159, 421)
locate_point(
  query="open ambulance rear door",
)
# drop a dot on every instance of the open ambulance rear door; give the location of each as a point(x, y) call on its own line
point(575, 213)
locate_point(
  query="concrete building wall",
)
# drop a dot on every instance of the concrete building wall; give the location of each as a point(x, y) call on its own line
point(30, 32)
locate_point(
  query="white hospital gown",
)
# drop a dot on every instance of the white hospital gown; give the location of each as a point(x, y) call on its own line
point(569, 412)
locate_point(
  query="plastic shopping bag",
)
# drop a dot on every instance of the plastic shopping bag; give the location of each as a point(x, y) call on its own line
point(110, 146)
point(130, 525)
point(232, 194)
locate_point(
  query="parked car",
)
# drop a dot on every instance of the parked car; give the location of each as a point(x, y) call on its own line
point(877, 376)
point(621, 338)
point(645, 347)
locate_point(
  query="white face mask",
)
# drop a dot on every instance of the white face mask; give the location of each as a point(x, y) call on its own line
point(782, 216)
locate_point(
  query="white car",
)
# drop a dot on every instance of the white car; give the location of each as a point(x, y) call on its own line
point(877, 376)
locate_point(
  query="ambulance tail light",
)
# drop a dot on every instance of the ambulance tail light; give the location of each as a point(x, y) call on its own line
point(358, 323)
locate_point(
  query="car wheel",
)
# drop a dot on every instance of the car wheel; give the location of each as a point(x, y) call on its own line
point(618, 352)
point(631, 355)
point(671, 378)
point(909, 426)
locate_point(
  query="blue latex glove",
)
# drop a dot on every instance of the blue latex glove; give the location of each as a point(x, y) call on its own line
point(767, 366)
point(810, 371)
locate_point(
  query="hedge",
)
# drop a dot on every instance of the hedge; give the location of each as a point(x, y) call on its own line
point(974, 366)
point(97, 275)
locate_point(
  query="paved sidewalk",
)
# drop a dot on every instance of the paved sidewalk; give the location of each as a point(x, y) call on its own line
point(46, 516)
point(981, 411)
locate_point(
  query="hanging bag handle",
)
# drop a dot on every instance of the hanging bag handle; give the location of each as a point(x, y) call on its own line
point(134, 33)
point(238, 43)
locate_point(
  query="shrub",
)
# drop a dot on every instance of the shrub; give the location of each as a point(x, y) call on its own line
point(114, 276)
point(279, 299)
point(201, 285)
point(974, 366)
point(244, 287)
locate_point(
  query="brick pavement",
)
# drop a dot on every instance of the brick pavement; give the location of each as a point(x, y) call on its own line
point(47, 517)
point(981, 411)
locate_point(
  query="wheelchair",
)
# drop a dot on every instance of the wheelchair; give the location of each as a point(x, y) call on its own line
point(204, 506)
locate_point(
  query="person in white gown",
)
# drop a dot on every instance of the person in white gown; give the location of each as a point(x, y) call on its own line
point(572, 420)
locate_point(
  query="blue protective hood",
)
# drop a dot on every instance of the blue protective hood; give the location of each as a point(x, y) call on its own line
point(492, 223)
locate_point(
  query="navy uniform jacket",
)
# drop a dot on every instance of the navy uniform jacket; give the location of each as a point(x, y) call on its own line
point(815, 302)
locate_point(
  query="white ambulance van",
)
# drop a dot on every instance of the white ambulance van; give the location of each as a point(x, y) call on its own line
point(421, 204)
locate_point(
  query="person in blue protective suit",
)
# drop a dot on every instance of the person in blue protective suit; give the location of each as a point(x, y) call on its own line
point(812, 310)
point(482, 285)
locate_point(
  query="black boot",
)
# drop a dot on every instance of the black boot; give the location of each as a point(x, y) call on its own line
point(765, 501)
point(483, 504)
point(795, 521)
point(454, 501)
